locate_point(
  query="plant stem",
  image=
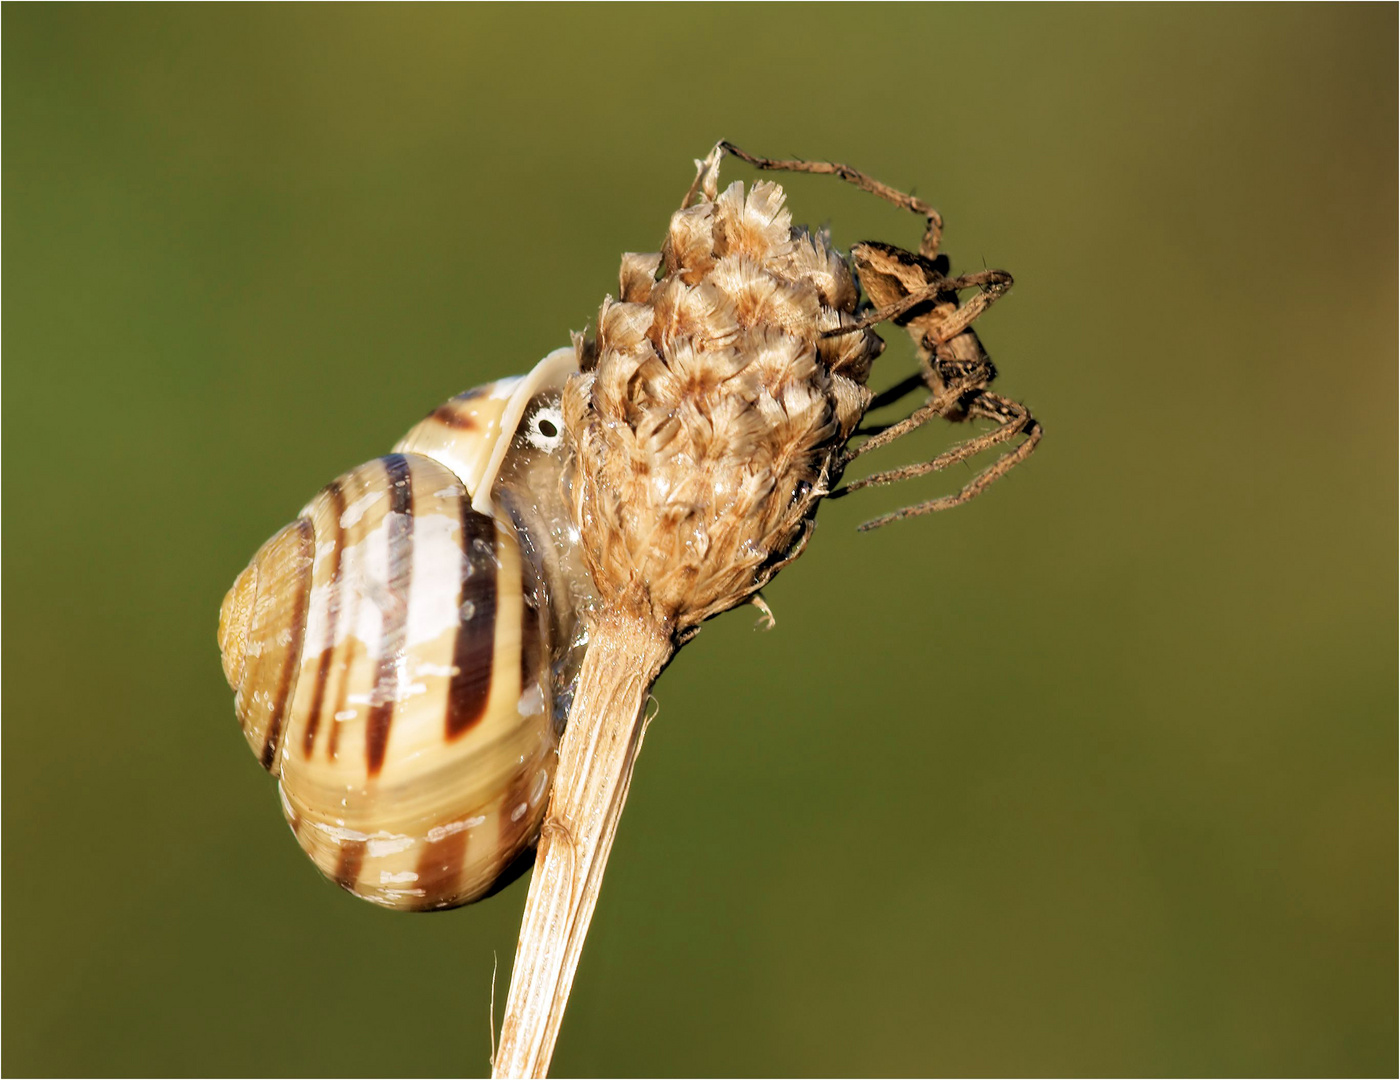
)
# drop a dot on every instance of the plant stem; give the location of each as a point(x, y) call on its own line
point(596, 757)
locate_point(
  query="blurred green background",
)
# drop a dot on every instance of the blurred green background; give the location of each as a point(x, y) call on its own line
point(1096, 775)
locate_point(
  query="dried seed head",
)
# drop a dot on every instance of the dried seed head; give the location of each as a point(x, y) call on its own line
point(711, 413)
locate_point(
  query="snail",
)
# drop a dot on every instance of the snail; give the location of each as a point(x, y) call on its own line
point(402, 653)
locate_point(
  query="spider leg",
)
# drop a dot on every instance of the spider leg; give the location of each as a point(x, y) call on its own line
point(933, 231)
point(934, 406)
point(1015, 419)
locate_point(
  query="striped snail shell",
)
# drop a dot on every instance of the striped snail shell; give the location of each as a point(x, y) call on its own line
point(403, 652)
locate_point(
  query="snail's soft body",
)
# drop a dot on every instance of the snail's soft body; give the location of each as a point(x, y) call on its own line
point(402, 652)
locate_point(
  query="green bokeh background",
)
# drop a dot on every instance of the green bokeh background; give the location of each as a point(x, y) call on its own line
point(1095, 775)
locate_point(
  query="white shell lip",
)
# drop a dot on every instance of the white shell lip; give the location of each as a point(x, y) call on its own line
point(550, 373)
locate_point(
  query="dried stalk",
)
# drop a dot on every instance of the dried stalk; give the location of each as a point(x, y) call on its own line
point(590, 787)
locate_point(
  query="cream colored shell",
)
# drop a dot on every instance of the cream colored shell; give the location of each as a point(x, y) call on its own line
point(398, 663)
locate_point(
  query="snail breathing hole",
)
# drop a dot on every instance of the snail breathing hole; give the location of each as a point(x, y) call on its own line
point(545, 429)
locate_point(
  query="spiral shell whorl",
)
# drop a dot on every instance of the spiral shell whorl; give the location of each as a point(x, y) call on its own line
point(235, 618)
point(262, 623)
point(707, 427)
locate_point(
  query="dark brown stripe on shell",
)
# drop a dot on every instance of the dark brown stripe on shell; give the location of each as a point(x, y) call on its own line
point(440, 868)
point(399, 522)
point(286, 680)
point(452, 413)
point(348, 659)
point(336, 494)
point(529, 629)
point(472, 655)
point(313, 718)
point(347, 866)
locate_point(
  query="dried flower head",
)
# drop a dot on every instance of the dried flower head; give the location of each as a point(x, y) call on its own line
point(711, 413)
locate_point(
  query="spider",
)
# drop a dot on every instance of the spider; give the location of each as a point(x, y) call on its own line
point(912, 290)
